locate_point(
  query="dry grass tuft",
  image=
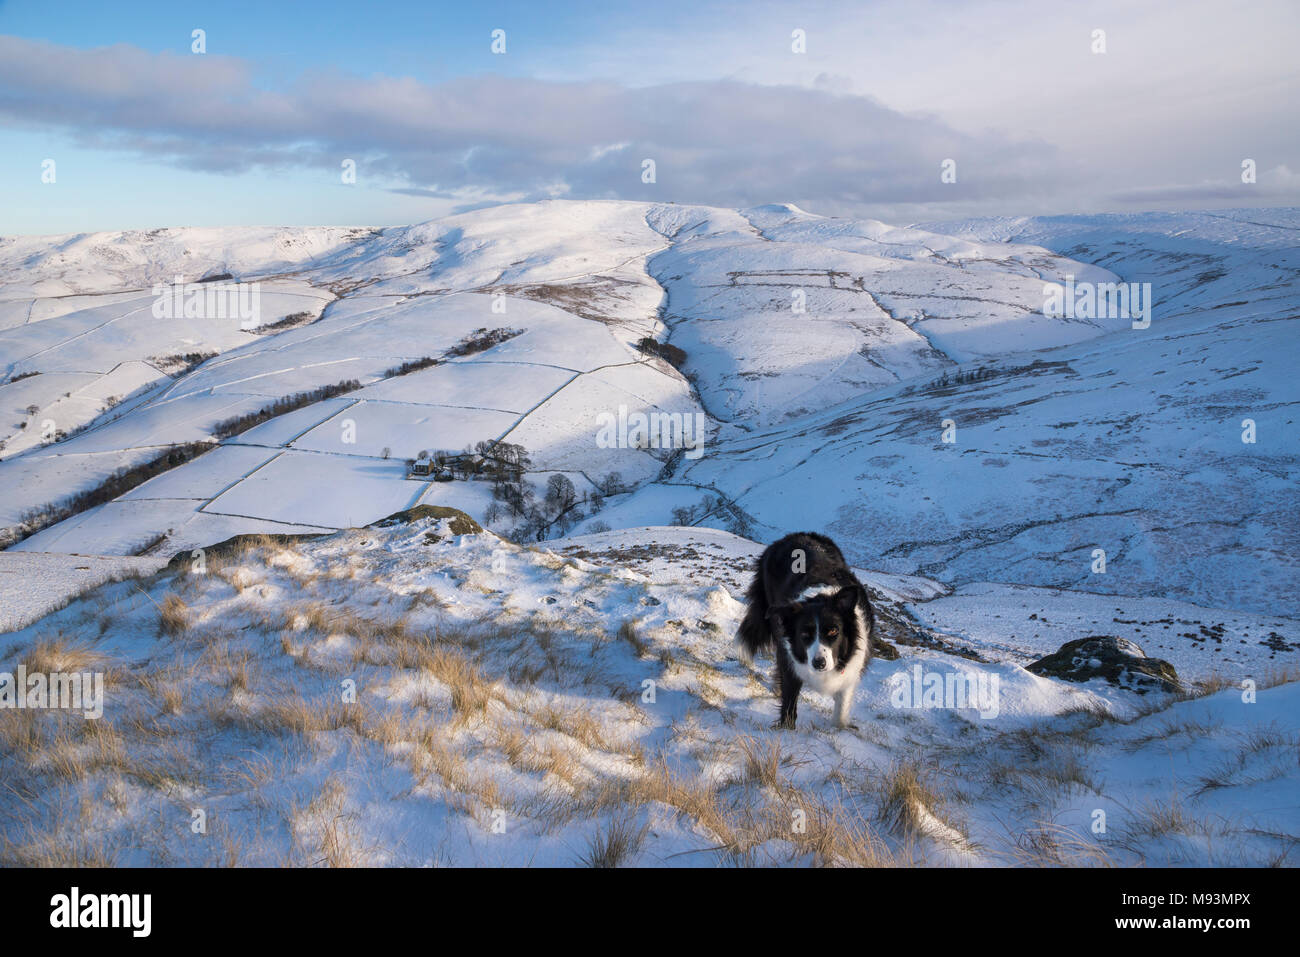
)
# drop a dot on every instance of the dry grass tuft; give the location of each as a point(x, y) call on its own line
point(58, 655)
point(762, 764)
point(174, 615)
point(905, 798)
point(300, 716)
point(571, 721)
point(629, 632)
point(616, 844)
point(1046, 844)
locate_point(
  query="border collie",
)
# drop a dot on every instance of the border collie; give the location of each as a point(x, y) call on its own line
point(807, 605)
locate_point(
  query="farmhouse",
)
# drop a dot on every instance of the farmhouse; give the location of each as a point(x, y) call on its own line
point(438, 468)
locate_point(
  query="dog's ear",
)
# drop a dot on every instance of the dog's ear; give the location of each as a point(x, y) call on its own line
point(846, 599)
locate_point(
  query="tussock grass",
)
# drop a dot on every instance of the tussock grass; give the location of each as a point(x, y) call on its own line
point(1209, 685)
point(905, 797)
point(763, 763)
point(61, 655)
point(1087, 715)
point(230, 667)
point(328, 829)
point(1157, 818)
point(471, 693)
point(839, 836)
point(434, 754)
point(629, 632)
point(701, 801)
point(173, 615)
point(1048, 844)
point(1264, 754)
point(554, 759)
point(572, 721)
point(509, 738)
point(300, 716)
point(428, 598)
point(21, 734)
point(741, 819)
point(57, 841)
point(1184, 731)
point(616, 844)
point(395, 644)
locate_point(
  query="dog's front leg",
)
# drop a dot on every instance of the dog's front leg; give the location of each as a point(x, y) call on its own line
point(789, 686)
point(844, 705)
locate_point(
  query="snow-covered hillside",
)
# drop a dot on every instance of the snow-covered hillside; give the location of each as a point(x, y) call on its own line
point(410, 695)
point(1007, 478)
point(826, 355)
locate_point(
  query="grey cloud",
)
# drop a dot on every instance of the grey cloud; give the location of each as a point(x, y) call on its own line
point(722, 142)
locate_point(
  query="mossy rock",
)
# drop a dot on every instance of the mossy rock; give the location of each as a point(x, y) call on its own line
point(1119, 661)
point(236, 545)
point(460, 523)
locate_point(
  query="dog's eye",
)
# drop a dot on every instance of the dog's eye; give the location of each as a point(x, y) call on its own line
point(832, 632)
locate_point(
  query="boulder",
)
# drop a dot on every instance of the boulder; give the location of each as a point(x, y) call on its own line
point(1118, 660)
point(459, 523)
point(236, 545)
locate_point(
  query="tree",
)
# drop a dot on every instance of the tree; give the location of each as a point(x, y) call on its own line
point(561, 496)
point(518, 499)
point(739, 524)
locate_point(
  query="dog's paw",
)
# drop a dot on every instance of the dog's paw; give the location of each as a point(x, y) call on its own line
point(783, 724)
point(849, 726)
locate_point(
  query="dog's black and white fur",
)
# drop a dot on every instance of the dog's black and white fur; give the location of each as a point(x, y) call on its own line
point(807, 604)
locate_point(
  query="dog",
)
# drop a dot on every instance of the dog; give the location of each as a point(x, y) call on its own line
point(807, 605)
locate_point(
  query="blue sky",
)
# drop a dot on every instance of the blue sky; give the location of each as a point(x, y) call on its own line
point(145, 133)
point(429, 41)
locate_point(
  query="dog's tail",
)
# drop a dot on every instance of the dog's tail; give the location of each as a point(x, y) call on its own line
point(754, 634)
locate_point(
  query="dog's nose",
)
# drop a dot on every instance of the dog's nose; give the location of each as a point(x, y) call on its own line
point(819, 664)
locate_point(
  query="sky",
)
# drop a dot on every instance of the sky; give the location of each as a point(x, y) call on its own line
point(109, 118)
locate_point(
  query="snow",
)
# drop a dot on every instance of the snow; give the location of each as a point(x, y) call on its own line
point(1022, 623)
point(214, 471)
point(308, 488)
point(33, 584)
point(1069, 437)
point(563, 746)
point(404, 429)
